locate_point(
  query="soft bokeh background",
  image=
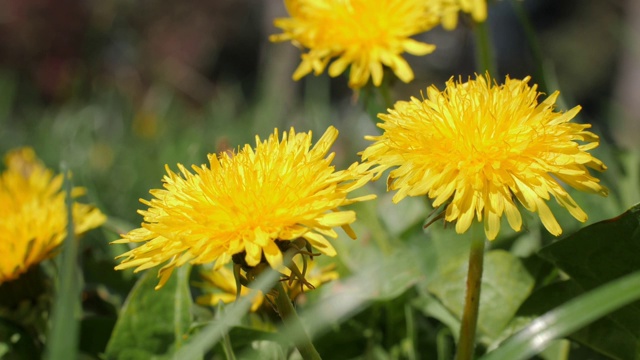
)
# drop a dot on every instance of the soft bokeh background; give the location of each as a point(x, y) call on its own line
point(119, 88)
point(116, 89)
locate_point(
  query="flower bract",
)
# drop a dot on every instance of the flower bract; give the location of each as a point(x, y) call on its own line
point(480, 148)
point(33, 214)
point(362, 34)
point(246, 204)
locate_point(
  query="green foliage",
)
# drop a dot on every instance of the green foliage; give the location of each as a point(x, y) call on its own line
point(152, 323)
point(63, 337)
point(604, 276)
point(595, 256)
point(506, 284)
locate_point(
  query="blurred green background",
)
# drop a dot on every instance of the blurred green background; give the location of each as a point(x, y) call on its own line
point(119, 88)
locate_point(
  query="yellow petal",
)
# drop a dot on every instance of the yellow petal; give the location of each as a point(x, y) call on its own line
point(320, 243)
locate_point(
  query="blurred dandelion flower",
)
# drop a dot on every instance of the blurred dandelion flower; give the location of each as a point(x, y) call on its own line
point(448, 11)
point(312, 277)
point(224, 283)
point(220, 285)
point(247, 205)
point(362, 34)
point(479, 146)
point(33, 215)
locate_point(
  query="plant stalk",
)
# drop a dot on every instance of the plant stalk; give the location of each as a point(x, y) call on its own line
point(485, 60)
point(467, 339)
point(534, 45)
point(290, 317)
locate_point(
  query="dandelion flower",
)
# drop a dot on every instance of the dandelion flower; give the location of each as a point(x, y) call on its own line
point(478, 147)
point(247, 205)
point(448, 11)
point(33, 215)
point(224, 282)
point(220, 284)
point(362, 34)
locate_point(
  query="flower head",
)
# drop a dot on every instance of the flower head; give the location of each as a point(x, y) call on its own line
point(33, 215)
point(480, 148)
point(362, 34)
point(247, 205)
point(448, 11)
point(220, 284)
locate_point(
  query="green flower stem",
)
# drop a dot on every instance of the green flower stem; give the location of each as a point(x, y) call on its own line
point(534, 46)
point(485, 61)
point(290, 317)
point(385, 92)
point(467, 340)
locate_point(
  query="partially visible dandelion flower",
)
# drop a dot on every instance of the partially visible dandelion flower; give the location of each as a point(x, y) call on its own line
point(219, 284)
point(307, 276)
point(478, 147)
point(362, 34)
point(248, 206)
point(33, 215)
point(449, 10)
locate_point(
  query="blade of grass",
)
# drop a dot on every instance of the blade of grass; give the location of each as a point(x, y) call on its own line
point(62, 341)
point(568, 318)
point(534, 45)
point(485, 58)
point(210, 335)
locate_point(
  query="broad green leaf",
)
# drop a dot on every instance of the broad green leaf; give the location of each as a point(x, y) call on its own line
point(152, 322)
point(432, 307)
point(602, 252)
point(390, 273)
point(569, 317)
point(369, 224)
point(403, 215)
point(505, 285)
point(604, 335)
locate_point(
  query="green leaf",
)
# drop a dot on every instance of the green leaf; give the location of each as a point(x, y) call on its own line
point(241, 337)
point(505, 285)
point(152, 322)
point(211, 334)
point(604, 335)
point(432, 307)
point(62, 342)
point(602, 252)
point(568, 318)
point(403, 215)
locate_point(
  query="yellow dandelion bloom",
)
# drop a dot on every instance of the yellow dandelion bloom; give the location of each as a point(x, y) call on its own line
point(314, 276)
point(223, 280)
point(245, 204)
point(448, 11)
point(479, 146)
point(33, 215)
point(362, 34)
